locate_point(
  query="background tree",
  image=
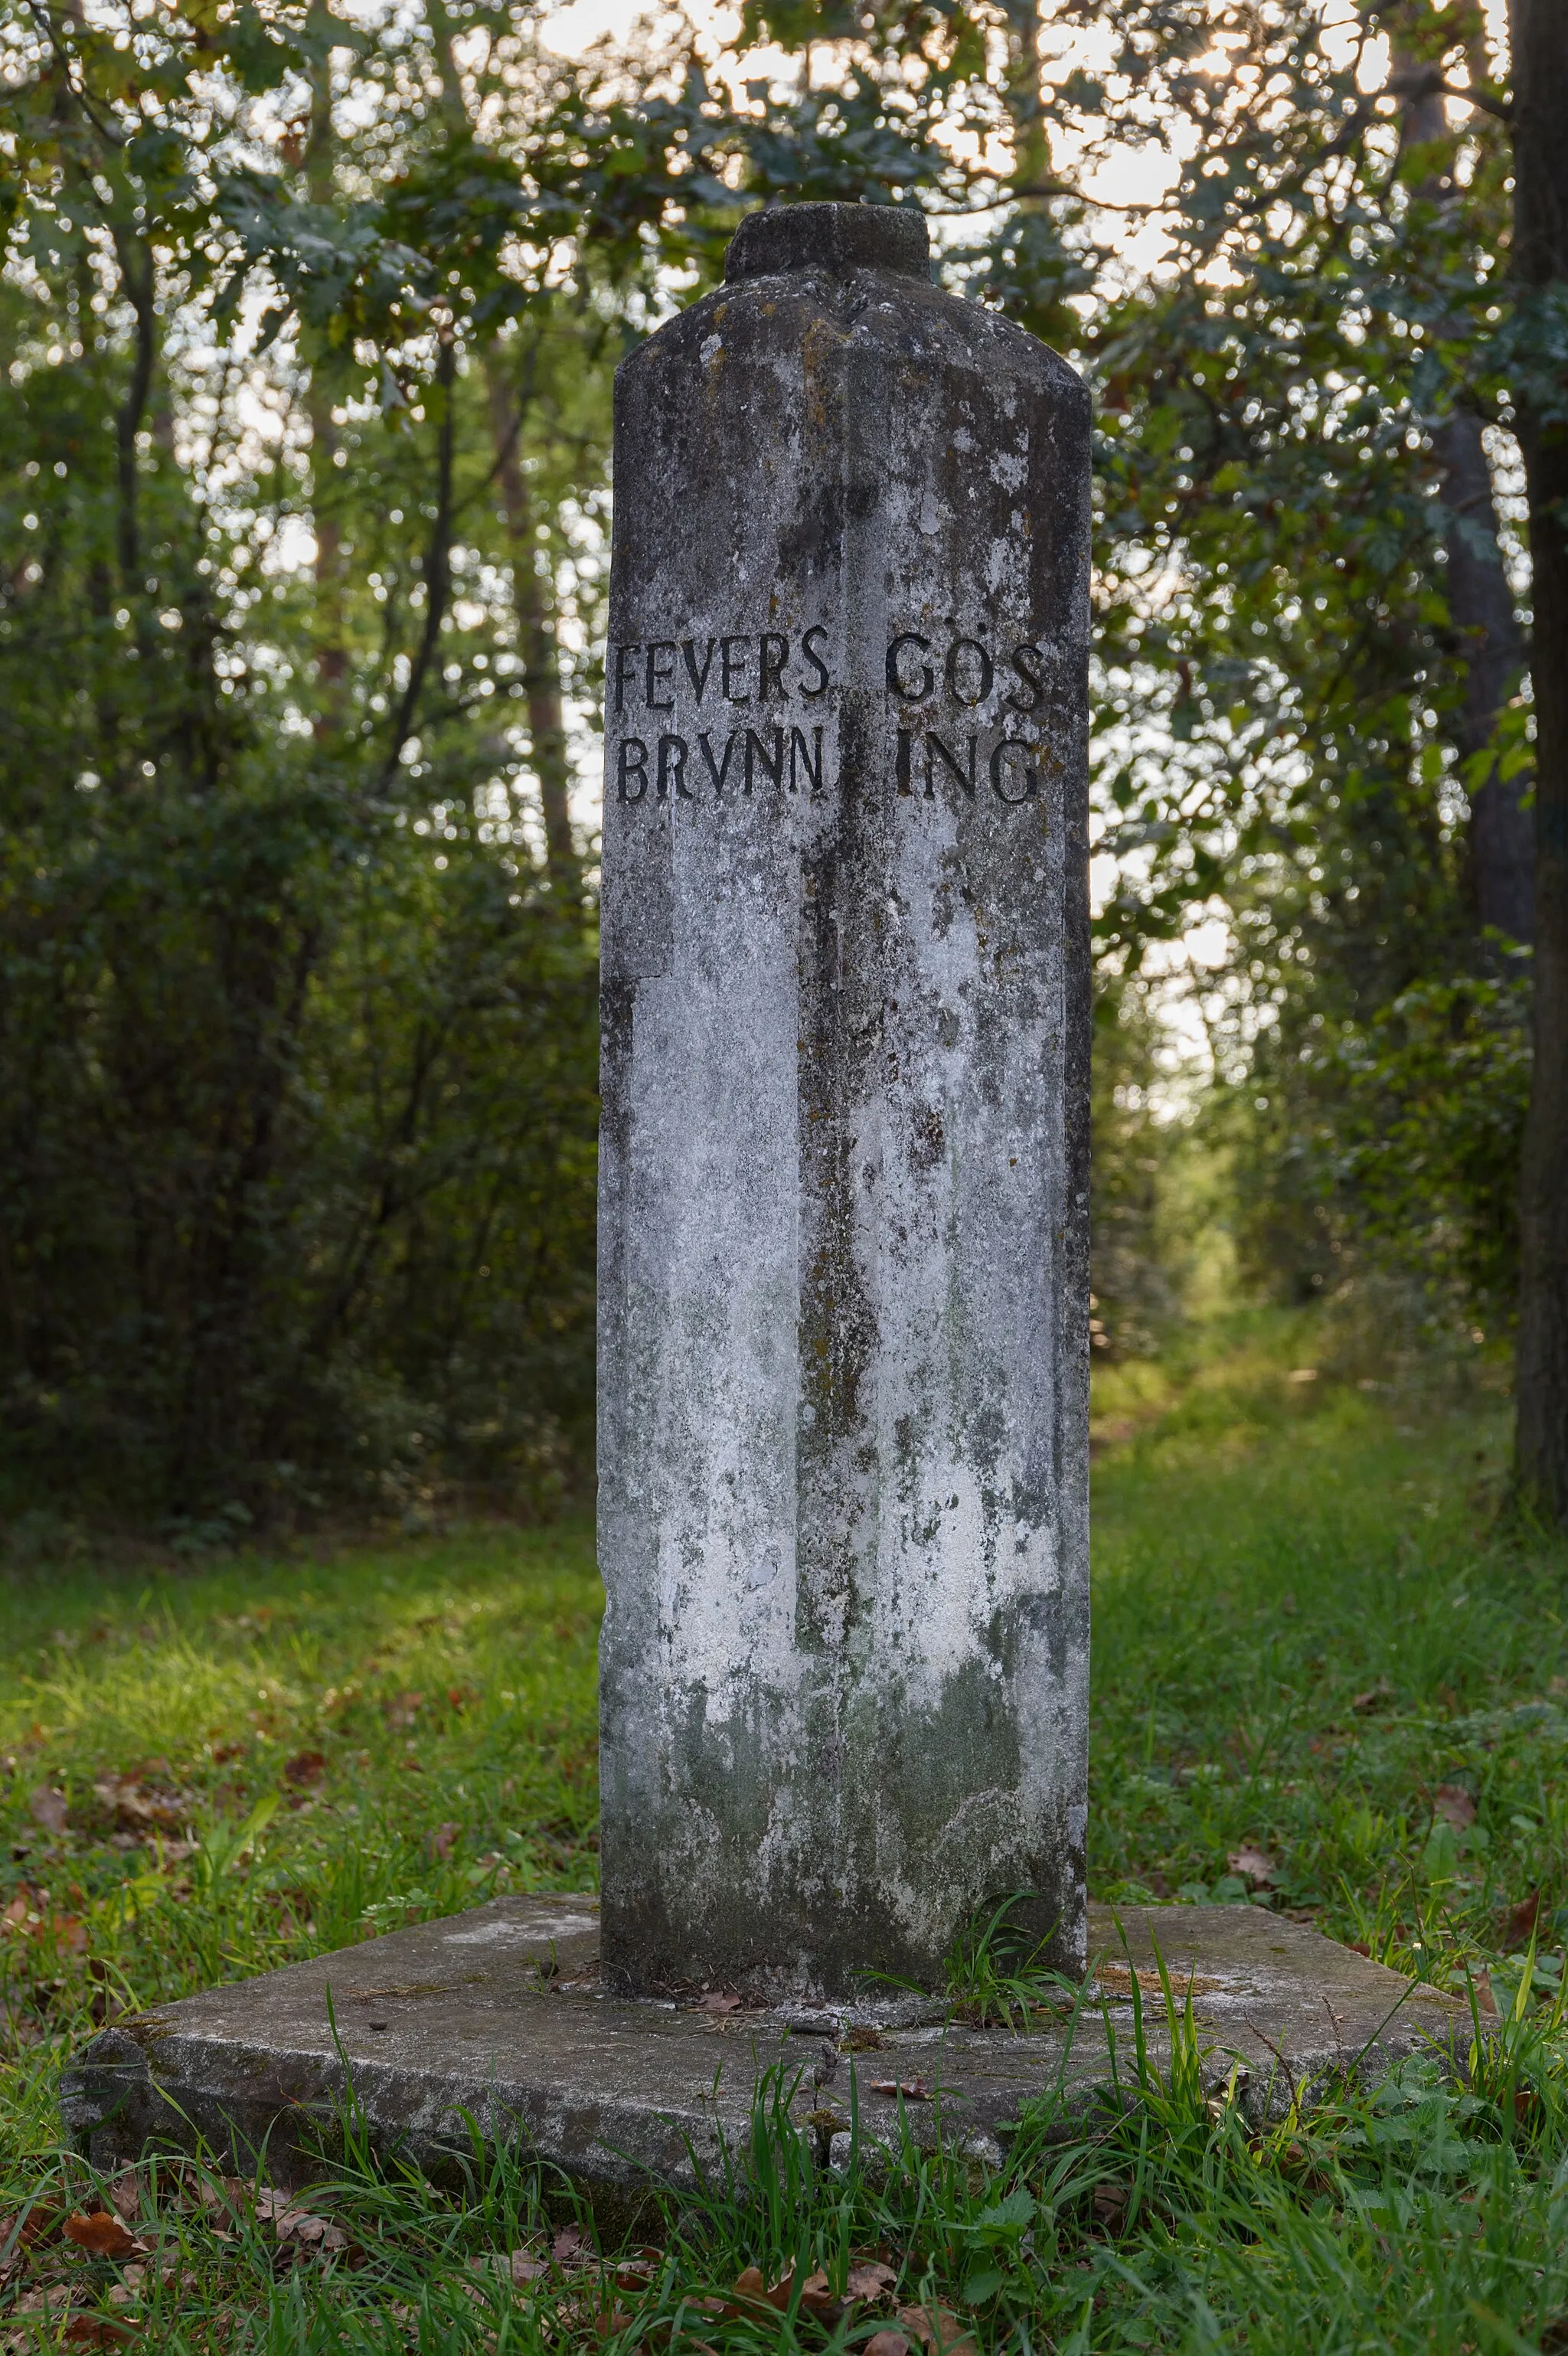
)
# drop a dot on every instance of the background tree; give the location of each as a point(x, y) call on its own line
point(1540, 38)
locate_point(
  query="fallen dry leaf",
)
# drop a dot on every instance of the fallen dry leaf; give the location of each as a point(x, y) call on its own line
point(1520, 1919)
point(300, 2226)
point(1455, 1806)
point(125, 2195)
point(304, 1767)
point(1485, 2002)
point(442, 1840)
point(886, 2343)
point(569, 2247)
point(96, 2331)
point(1374, 1699)
point(47, 1807)
point(1110, 2206)
point(815, 2298)
point(138, 1811)
point(37, 2224)
point(103, 2233)
point(718, 2000)
point(939, 2332)
point(1254, 1864)
point(913, 2089)
point(818, 2300)
point(870, 2280)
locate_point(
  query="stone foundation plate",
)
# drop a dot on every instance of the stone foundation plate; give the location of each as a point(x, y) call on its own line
point(496, 2023)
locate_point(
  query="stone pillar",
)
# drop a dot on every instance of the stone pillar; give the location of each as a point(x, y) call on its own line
point(843, 1348)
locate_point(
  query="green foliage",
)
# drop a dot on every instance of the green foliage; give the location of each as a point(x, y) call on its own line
point(1436, 1091)
point(306, 435)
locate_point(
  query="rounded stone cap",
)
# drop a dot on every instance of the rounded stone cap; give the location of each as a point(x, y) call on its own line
point(830, 237)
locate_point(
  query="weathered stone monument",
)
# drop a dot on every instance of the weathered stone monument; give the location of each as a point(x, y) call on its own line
point(844, 1276)
point(844, 1218)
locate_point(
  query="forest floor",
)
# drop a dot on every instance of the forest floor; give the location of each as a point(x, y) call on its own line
point(1330, 1675)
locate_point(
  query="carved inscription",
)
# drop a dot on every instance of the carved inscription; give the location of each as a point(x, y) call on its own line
point(964, 672)
point(721, 738)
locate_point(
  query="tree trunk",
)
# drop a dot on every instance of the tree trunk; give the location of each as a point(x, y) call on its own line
point(531, 601)
point(535, 634)
point(1480, 602)
point(1538, 30)
point(1481, 609)
point(331, 653)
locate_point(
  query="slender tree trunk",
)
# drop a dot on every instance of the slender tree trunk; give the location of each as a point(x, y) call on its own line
point(1480, 602)
point(536, 632)
point(1538, 30)
point(331, 652)
point(1481, 608)
point(531, 599)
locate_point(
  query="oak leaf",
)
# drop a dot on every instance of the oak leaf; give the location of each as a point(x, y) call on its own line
point(102, 2232)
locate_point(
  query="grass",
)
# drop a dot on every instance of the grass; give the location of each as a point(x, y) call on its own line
point(1327, 1678)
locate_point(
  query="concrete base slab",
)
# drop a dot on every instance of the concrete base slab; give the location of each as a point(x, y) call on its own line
point(498, 2016)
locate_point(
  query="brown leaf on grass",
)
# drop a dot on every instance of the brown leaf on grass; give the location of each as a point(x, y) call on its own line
point(569, 2247)
point(1455, 1806)
point(525, 2267)
point(818, 2300)
point(886, 2343)
point(1110, 2206)
point(913, 2089)
point(1485, 2002)
point(870, 2280)
point(443, 1841)
point(102, 2233)
point(1255, 1865)
point(815, 2298)
point(1521, 1920)
point(125, 2196)
point(47, 1807)
point(304, 1768)
point(939, 2332)
point(607, 2325)
point(300, 2226)
point(718, 2000)
point(139, 1811)
point(97, 2331)
point(1374, 1699)
point(39, 2224)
